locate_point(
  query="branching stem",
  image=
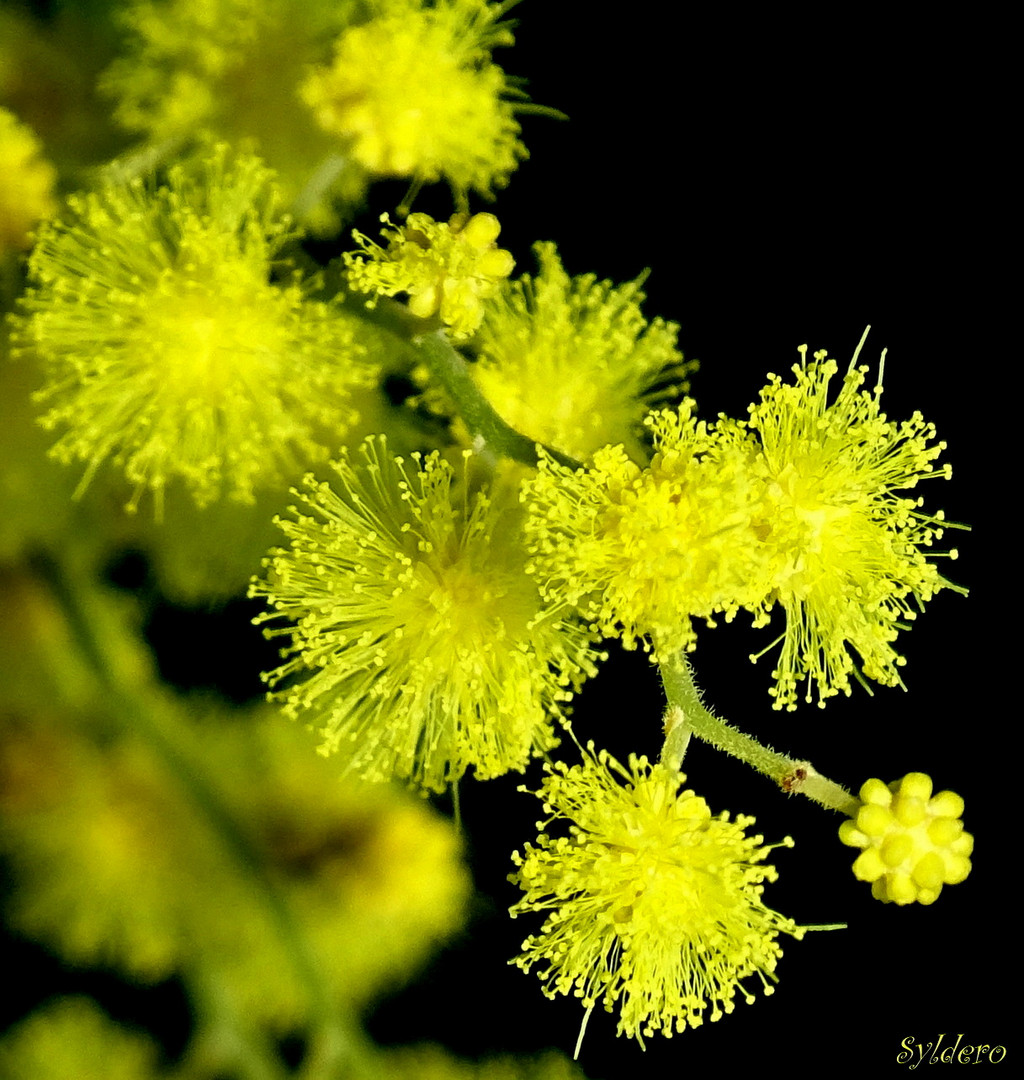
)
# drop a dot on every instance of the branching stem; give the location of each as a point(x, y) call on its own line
point(687, 713)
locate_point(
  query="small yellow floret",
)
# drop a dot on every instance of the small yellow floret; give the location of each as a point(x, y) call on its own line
point(27, 183)
point(654, 905)
point(413, 92)
point(447, 270)
point(913, 842)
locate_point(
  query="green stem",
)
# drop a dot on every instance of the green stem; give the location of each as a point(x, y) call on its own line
point(225, 1043)
point(687, 712)
point(491, 435)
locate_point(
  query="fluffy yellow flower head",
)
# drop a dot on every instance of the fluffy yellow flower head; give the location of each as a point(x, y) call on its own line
point(170, 351)
point(420, 646)
point(572, 363)
point(913, 842)
point(846, 553)
point(413, 92)
point(447, 270)
point(654, 904)
point(642, 551)
point(26, 184)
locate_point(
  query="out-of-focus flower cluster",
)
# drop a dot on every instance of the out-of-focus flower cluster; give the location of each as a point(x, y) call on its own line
point(120, 863)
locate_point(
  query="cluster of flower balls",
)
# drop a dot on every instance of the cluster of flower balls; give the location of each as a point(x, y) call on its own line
point(441, 609)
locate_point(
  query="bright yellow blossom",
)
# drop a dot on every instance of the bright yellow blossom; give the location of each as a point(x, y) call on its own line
point(846, 551)
point(642, 551)
point(913, 842)
point(654, 905)
point(170, 351)
point(572, 363)
point(420, 647)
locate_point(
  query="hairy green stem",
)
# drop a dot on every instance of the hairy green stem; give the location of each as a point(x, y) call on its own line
point(687, 713)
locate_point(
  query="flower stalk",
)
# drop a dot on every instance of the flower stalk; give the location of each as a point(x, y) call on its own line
point(691, 715)
point(491, 435)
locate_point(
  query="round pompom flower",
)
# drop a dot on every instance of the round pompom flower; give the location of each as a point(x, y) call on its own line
point(572, 363)
point(27, 183)
point(846, 553)
point(420, 646)
point(913, 842)
point(642, 551)
point(170, 351)
point(654, 904)
point(414, 92)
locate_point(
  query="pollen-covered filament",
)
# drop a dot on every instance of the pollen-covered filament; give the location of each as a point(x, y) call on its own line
point(462, 605)
point(212, 354)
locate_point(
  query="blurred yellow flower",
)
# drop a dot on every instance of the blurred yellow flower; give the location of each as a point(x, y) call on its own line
point(27, 182)
point(413, 92)
point(170, 348)
point(72, 1037)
